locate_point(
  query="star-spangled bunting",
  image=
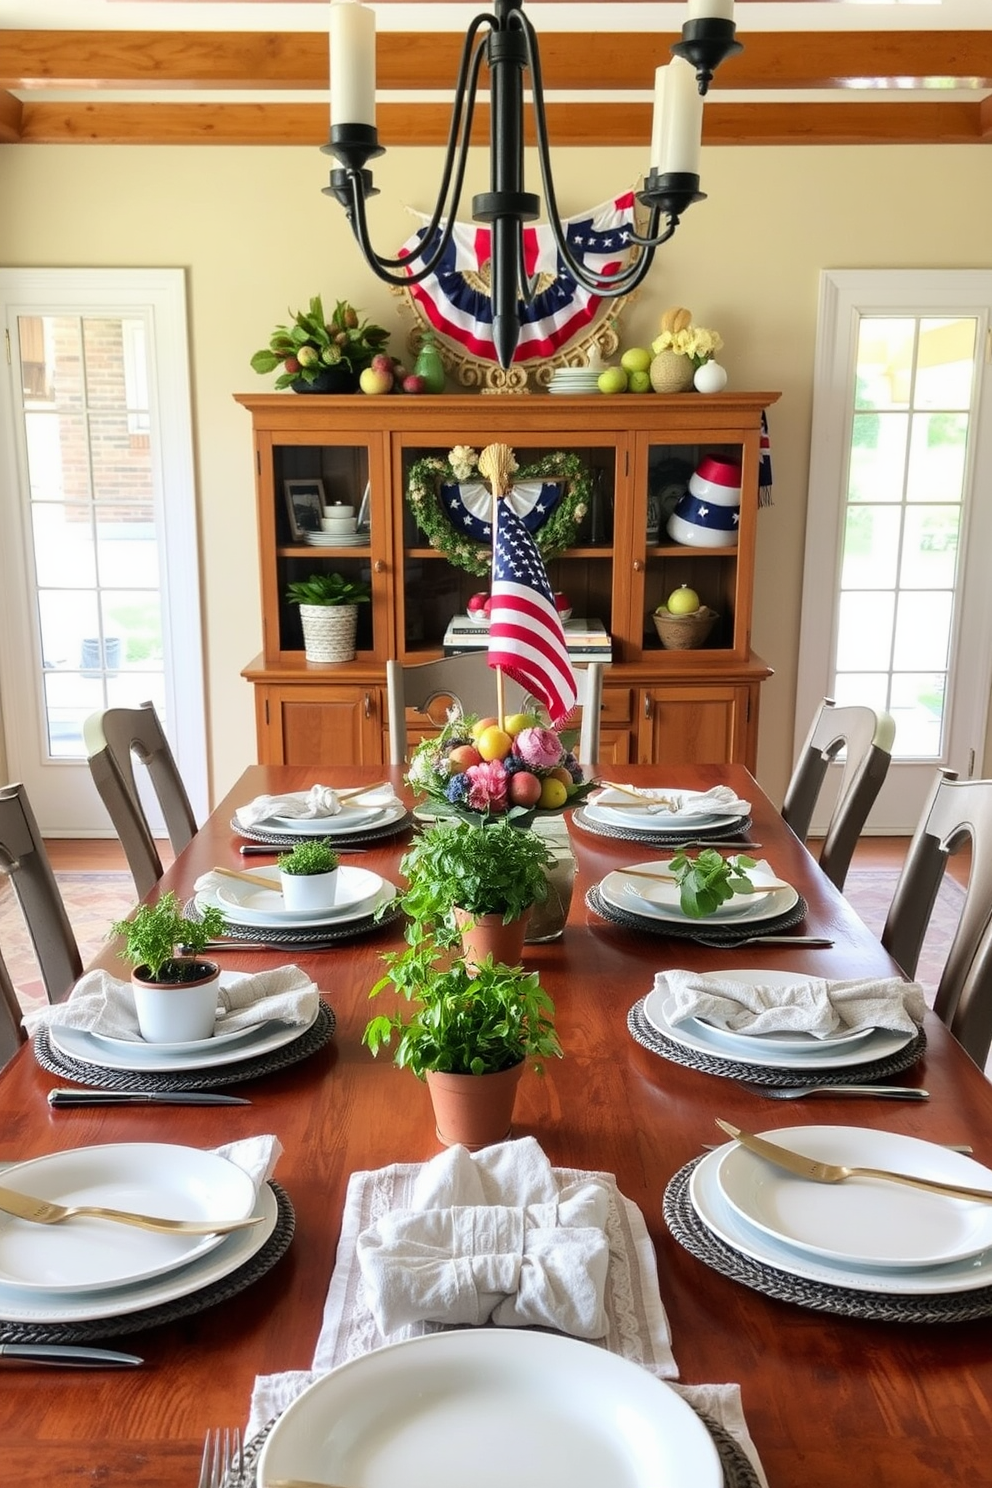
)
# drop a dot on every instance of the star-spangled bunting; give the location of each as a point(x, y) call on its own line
point(526, 639)
point(468, 506)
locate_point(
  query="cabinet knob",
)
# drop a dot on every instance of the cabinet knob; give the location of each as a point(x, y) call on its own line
point(638, 565)
point(378, 566)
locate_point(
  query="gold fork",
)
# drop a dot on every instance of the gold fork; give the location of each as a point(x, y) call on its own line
point(222, 1455)
point(44, 1211)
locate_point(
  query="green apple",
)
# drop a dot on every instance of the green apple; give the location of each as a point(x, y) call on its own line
point(636, 359)
point(638, 382)
point(683, 601)
point(613, 380)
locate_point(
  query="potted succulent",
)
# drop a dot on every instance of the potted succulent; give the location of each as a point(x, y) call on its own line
point(175, 993)
point(468, 1032)
point(329, 612)
point(309, 875)
point(319, 355)
point(477, 882)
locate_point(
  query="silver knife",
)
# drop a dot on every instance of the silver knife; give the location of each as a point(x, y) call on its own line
point(62, 1097)
point(62, 1355)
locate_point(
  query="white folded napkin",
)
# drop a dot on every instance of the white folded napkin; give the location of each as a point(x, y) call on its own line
point(719, 799)
point(318, 801)
point(102, 1003)
point(489, 1236)
point(812, 1005)
point(256, 1156)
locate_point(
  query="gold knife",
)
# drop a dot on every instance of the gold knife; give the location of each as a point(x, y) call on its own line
point(44, 1211)
point(821, 1172)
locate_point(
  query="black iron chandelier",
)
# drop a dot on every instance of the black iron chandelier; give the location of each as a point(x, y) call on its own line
point(506, 41)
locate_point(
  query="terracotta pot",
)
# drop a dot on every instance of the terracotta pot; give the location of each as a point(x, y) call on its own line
point(474, 1110)
point(486, 935)
point(177, 1012)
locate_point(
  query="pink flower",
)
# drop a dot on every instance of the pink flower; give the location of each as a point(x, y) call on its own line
point(486, 786)
point(539, 748)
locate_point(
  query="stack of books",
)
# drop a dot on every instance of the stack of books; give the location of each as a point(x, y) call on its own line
point(587, 640)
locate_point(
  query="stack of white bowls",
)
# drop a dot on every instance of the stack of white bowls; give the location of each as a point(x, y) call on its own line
point(337, 529)
point(707, 515)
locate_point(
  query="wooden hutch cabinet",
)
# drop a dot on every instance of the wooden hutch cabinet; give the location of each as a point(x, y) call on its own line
point(639, 449)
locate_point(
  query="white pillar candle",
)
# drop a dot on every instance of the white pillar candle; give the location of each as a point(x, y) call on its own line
point(352, 34)
point(682, 122)
point(716, 10)
point(660, 74)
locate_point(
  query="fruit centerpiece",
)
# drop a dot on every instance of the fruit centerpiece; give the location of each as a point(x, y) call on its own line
point(477, 769)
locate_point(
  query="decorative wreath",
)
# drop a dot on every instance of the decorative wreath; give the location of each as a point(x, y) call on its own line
point(556, 534)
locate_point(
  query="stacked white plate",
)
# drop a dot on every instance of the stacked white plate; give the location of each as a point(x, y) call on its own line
point(88, 1268)
point(359, 893)
point(866, 1234)
point(659, 900)
point(359, 814)
point(672, 811)
point(330, 540)
point(574, 380)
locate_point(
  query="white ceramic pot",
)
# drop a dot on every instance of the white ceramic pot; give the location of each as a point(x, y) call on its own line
point(177, 1012)
point(710, 378)
point(309, 891)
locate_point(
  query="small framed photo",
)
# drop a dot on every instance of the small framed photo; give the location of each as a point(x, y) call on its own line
point(305, 505)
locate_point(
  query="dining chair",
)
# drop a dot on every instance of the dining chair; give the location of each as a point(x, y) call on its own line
point(113, 740)
point(24, 858)
point(12, 1035)
point(866, 738)
point(469, 681)
point(956, 812)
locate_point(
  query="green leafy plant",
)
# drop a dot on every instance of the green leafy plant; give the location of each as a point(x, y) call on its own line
point(328, 589)
point(709, 880)
point(152, 937)
point(312, 344)
point(461, 1022)
point(315, 855)
point(493, 868)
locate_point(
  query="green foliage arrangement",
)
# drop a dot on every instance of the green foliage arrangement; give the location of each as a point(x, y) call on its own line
point(461, 1022)
point(328, 589)
point(313, 343)
point(152, 937)
point(709, 880)
point(558, 533)
point(493, 868)
point(312, 855)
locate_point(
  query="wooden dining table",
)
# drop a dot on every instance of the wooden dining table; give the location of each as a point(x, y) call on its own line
point(830, 1401)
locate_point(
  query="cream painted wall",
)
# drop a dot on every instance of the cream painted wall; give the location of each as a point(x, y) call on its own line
point(257, 238)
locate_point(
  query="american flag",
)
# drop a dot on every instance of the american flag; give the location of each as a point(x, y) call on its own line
point(526, 639)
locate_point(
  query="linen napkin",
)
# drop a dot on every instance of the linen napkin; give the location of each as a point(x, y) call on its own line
point(319, 801)
point(812, 1005)
point(720, 798)
point(103, 1003)
point(491, 1238)
point(256, 1156)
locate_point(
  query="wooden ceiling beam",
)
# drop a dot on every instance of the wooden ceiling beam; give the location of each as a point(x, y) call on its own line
point(596, 124)
point(421, 60)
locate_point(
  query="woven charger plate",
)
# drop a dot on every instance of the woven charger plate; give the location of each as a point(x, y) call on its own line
point(167, 1312)
point(309, 1041)
point(309, 939)
point(729, 934)
point(880, 1307)
point(737, 1469)
point(345, 844)
point(661, 839)
point(645, 1033)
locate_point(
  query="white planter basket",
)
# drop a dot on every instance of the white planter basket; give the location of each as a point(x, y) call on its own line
point(329, 632)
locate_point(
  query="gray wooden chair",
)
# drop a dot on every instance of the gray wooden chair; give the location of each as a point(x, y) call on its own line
point(431, 687)
point(24, 859)
point(866, 737)
point(114, 739)
point(956, 812)
point(12, 1035)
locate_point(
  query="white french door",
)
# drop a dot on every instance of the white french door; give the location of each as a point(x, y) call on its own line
point(99, 560)
point(897, 600)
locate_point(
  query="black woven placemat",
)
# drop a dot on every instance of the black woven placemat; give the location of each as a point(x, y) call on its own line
point(645, 1033)
point(63, 1065)
point(709, 934)
point(737, 1469)
point(214, 1292)
point(312, 939)
point(348, 840)
point(881, 1307)
point(741, 828)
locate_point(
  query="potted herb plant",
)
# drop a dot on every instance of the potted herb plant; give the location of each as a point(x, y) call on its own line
point(478, 882)
point(329, 612)
point(175, 993)
point(467, 1031)
point(309, 875)
point(319, 355)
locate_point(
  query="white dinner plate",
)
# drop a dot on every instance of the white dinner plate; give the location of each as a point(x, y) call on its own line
point(84, 1254)
point(716, 1214)
point(636, 821)
point(626, 893)
point(233, 1252)
point(386, 892)
point(374, 813)
point(861, 1221)
point(782, 1041)
point(881, 1043)
point(489, 1406)
point(662, 897)
point(193, 1046)
point(262, 905)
